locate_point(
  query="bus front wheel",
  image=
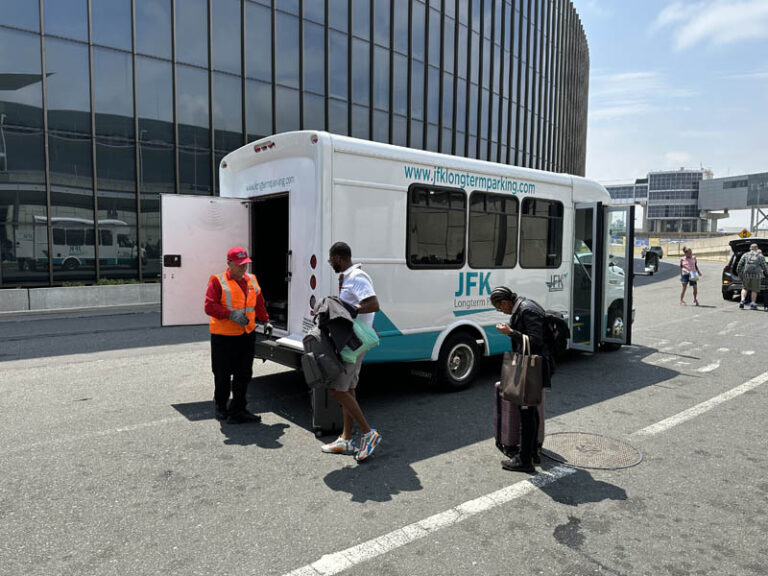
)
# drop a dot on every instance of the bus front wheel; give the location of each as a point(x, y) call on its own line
point(458, 362)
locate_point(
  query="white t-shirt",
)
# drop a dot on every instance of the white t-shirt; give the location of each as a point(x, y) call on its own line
point(356, 287)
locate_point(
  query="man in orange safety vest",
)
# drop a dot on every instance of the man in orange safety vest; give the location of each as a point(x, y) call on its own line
point(234, 302)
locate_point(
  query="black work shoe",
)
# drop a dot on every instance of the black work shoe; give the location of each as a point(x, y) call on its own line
point(517, 465)
point(243, 417)
point(221, 414)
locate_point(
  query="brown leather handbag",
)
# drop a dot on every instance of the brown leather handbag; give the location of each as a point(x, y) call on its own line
point(522, 376)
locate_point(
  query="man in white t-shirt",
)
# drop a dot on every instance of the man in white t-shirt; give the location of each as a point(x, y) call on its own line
point(356, 289)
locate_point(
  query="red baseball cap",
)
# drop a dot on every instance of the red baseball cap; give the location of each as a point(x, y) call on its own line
point(238, 256)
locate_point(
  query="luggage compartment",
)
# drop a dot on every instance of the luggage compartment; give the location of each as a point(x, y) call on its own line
point(271, 254)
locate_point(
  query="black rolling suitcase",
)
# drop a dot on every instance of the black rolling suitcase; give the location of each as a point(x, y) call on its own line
point(506, 423)
point(327, 416)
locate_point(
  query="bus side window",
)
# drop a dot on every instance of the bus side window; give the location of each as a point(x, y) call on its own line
point(105, 238)
point(492, 230)
point(437, 222)
point(541, 233)
point(59, 237)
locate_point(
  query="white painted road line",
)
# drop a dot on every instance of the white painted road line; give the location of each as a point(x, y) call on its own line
point(701, 408)
point(340, 561)
point(709, 367)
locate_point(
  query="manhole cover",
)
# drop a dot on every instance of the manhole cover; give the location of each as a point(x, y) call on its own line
point(583, 450)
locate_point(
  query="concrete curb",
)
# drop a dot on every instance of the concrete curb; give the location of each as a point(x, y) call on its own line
point(21, 300)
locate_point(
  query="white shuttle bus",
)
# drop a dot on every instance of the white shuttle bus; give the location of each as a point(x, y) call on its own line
point(435, 232)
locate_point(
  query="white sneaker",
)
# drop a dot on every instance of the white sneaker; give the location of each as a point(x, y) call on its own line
point(367, 445)
point(339, 446)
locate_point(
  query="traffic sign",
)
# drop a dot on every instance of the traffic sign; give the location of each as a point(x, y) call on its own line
point(744, 233)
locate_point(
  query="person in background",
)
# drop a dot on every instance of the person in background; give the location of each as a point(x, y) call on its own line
point(355, 289)
point(234, 302)
point(526, 317)
point(689, 275)
point(751, 269)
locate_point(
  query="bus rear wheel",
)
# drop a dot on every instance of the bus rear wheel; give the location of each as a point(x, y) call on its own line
point(70, 264)
point(458, 362)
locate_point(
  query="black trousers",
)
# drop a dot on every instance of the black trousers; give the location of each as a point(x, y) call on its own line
point(529, 431)
point(232, 365)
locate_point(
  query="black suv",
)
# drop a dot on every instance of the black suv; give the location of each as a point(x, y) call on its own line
point(732, 284)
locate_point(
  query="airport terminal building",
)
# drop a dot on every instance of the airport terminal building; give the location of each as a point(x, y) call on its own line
point(106, 104)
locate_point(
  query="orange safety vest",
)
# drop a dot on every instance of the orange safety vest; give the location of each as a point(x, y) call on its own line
point(232, 298)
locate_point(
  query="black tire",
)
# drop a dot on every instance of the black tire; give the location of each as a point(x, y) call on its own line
point(70, 264)
point(458, 362)
point(615, 329)
point(727, 296)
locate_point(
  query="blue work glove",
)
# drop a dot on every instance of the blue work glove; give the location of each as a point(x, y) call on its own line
point(268, 329)
point(239, 317)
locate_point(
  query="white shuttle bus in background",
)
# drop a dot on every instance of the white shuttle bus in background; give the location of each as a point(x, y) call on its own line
point(435, 232)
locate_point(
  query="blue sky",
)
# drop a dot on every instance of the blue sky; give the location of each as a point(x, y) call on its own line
point(676, 83)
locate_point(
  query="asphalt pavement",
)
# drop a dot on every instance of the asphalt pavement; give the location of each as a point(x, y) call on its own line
point(111, 461)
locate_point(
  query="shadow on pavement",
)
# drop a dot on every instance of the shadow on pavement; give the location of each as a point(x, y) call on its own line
point(582, 488)
point(417, 422)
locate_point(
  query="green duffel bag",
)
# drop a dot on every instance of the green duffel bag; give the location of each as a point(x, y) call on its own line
point(368, 339)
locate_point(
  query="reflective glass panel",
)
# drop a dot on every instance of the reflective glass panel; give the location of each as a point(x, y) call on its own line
point(338, 73)
point(68, 18)
point(118, 247)
point(400, 84)
point(417, 90)
point(194, 171)
point(156, 176)
point(360, 122)
point(286, 109)
point(227, 112)
point(153, 27)
point(361, 19)
point(22, 14)
point(434, 38)
point(192, 106)
point(258, 106)
point(338, 121)
point(314, 11)
point(258, 42)
point(361, 55)
point(287, 50)
point(113, 92)
point(154, 94)
point(381, 78)
point(381, 21)
point(23, 232)
point(192, 32)
point(111, 23)
point(314, 112)
point(69, 98)
point(314, 58)
point(226, 36)
point(71, 170)
point(21, 93)
point(338, 14)
point(417, 33)
point(401, 25)
point(380, 126)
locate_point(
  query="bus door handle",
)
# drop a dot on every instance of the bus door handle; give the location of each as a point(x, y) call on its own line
point(288, 273)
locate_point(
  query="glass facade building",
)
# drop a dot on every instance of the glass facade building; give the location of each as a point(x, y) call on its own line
point(106, 104)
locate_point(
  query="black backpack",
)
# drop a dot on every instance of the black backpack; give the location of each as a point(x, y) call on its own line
point(558, 332)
